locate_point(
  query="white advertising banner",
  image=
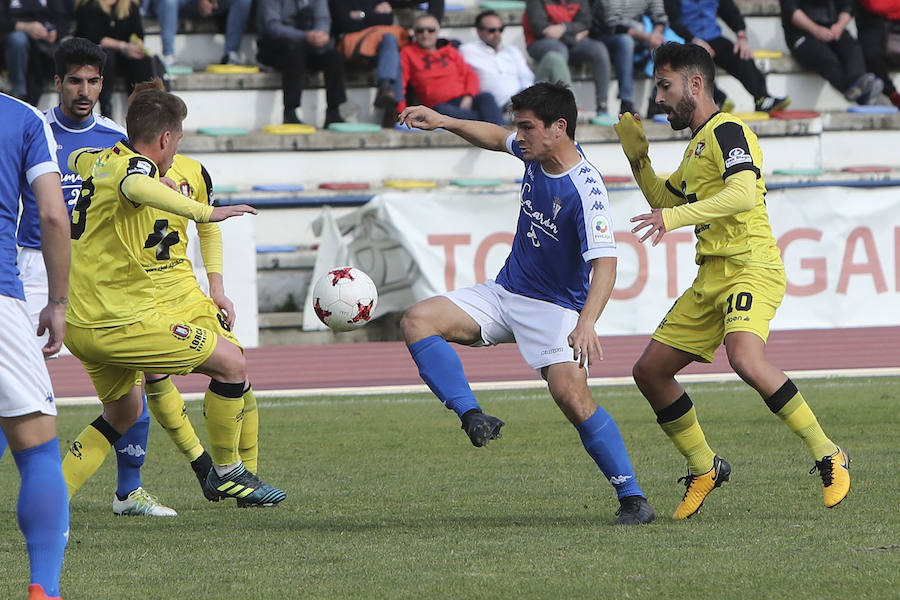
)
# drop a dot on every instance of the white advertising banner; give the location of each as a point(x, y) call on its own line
point(840, 248)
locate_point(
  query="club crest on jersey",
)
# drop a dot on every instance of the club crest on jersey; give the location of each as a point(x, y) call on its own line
point(557, 205)
point(737, 156)
point(180, 331)
point(699, 148)
point(601, 230)
point(185, 188)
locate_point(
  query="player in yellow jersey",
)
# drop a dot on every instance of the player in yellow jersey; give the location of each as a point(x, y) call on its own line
point(115, 327)
point(164, 257)
point(720, 191)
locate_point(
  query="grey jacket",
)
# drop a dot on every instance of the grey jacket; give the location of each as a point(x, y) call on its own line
point(291, 19)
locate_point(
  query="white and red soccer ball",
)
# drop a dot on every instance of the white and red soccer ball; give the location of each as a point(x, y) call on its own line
point(344, 298)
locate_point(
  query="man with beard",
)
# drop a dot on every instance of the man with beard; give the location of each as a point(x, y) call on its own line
point(719, 189)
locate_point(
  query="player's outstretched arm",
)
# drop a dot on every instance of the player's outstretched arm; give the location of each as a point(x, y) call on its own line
point(55, 247)
point(220, 213)
point(583, 340)
point(478, 133)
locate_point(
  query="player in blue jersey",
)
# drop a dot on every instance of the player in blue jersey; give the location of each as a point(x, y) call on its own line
point(27, 406)
point(79, 79)
point(544, 298)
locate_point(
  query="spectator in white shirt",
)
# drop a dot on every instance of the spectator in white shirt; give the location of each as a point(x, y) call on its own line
point(502, 70)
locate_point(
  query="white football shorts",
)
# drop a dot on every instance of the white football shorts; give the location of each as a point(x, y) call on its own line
point(33, 274)
point(24, 382)
point(540, 329)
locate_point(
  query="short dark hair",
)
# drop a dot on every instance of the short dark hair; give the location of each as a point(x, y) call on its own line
point(78, 51)
point(151, 112)
point(482, 15)
point(687, 59)
point(549, 102)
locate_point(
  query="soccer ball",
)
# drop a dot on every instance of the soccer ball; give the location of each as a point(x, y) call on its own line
point(344, 298)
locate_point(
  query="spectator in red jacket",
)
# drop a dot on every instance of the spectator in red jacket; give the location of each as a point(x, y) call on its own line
point(441, 79)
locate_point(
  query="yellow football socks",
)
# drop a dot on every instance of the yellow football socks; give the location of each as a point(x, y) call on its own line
point(87, 453)
point(167, 406)
point(223, 407)
point(787, 402)
point(799, 418)
point(248, 444)
point(686, 434)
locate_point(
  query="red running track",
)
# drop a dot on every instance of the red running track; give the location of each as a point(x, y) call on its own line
point(388, 363)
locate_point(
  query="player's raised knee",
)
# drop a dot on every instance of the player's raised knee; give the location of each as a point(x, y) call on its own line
point(417, 322)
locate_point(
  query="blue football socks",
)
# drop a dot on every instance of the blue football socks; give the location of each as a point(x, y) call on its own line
point(602, 440)
point(440, 368)
point(131, 449)
point(43, 512)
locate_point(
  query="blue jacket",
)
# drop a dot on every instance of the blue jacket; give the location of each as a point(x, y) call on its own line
point(697, 18)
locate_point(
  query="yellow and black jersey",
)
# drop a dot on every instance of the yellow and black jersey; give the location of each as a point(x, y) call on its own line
point(165, 253)
point(723, 147)
point(108, 285)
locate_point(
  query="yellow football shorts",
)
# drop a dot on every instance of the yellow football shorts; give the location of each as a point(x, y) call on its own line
point(726, 296)
point(198, 308)
point(115, 357)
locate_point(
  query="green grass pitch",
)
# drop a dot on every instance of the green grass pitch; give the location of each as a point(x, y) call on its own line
point(387, 499)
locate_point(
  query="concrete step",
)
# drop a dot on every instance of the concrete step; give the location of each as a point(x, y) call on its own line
point(392, 154)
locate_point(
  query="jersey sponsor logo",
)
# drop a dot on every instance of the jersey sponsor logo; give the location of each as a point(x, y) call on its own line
point(139, 166)
point(538, 219)
point(597, 205)
point(530, 172)
point(181, 332)
point(590, 180)
point(699, 148)
point(737, 156)
point(601, 232)
point(584, 170)
point(596, 191)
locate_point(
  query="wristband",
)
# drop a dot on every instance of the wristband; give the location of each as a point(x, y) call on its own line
point(61, 301)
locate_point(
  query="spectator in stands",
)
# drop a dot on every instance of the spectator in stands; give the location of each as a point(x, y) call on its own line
point(815, 31)
point(697, 22)
point(117, 27)
point(441, 79)
point(29, 32)
point(502, 70)
point(294, 35)
point(873, 17)
point(236, 13)
point(408, 7)
point(619, 25)
point(561, 27)
point(365, 32)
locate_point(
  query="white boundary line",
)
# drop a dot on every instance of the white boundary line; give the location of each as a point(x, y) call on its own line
point(508, 385)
